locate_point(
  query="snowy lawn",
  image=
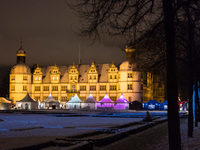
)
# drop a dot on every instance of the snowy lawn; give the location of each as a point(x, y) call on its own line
point(23, 125)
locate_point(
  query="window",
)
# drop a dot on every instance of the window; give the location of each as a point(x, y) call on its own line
point(53, 78)
point(130, 86)
point(12, 78)
point(110, 76)
point(83, 98)
point(90, 77)
point(12, 88)
point(75, 78)
point(63, 88)
point(82, 88)
point(102, 87)
point(71, 78)
point(37, 88)
point(39, 78)
point(46, 88)
point(93, 88)
point(115, 76)
point(57, 78)
point(95, 77)
point(130, 75)
point(55, 97)
point(114, 98)
point(54, 88)
point(24, 88)
point(64, 98)
point(113, 87)
point(73, 88)
point(25, 78)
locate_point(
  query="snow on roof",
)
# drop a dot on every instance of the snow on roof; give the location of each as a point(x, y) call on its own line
point(106, 99)
point(27, 98)
point(90, 99)
point(75, 99)
point(122, 99)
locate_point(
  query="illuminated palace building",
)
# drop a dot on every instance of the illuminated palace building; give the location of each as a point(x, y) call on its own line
point(96, 79)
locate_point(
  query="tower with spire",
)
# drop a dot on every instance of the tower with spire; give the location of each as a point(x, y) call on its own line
point(21, 55)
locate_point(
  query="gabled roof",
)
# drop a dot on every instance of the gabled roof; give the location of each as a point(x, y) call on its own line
point(75, 99)
point(106, 99)
point(90, 99)
point(27, 98)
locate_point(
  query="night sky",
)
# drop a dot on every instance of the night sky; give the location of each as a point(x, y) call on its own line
point(49, 29)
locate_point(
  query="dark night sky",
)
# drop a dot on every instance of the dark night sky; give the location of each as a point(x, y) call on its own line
point(49, 31)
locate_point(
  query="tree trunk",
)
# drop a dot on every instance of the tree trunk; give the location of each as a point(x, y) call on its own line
point(172, 89)
point(190, 69)
point(196, 103)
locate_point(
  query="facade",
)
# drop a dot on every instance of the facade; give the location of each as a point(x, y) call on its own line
point(66, 81)
point(153, 87)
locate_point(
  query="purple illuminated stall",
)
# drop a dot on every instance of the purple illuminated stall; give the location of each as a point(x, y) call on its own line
point(121, 103)
point(105, 103)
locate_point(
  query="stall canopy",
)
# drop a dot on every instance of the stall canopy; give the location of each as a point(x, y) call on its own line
point(27, 103)
point(121, 103)
point(106, 102)
point(74, 103)
point(51, 103)
point(151, 105)
point(164, 105)
point(89, 103)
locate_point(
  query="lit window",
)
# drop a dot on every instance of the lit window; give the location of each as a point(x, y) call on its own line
point(37, 88)
point(114, 98)
point(54, 88)
point(35, 78)
point(130, 86)
point(113, 87)
point(12, 88)
point(25, 78)
point(46, 88)
point(82, 88)
point(130, 75)
point(93, 88)
point(64, 98)
point(63, 88)
point(24, 88)
point(103, 88)
point(53, 78)
point(39, 78)
point(12, 78)
point(57, 78)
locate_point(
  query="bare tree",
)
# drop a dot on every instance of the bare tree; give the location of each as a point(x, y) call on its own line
point(134, 19)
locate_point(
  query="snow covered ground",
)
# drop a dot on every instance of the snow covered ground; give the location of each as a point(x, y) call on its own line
point(28, 125)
